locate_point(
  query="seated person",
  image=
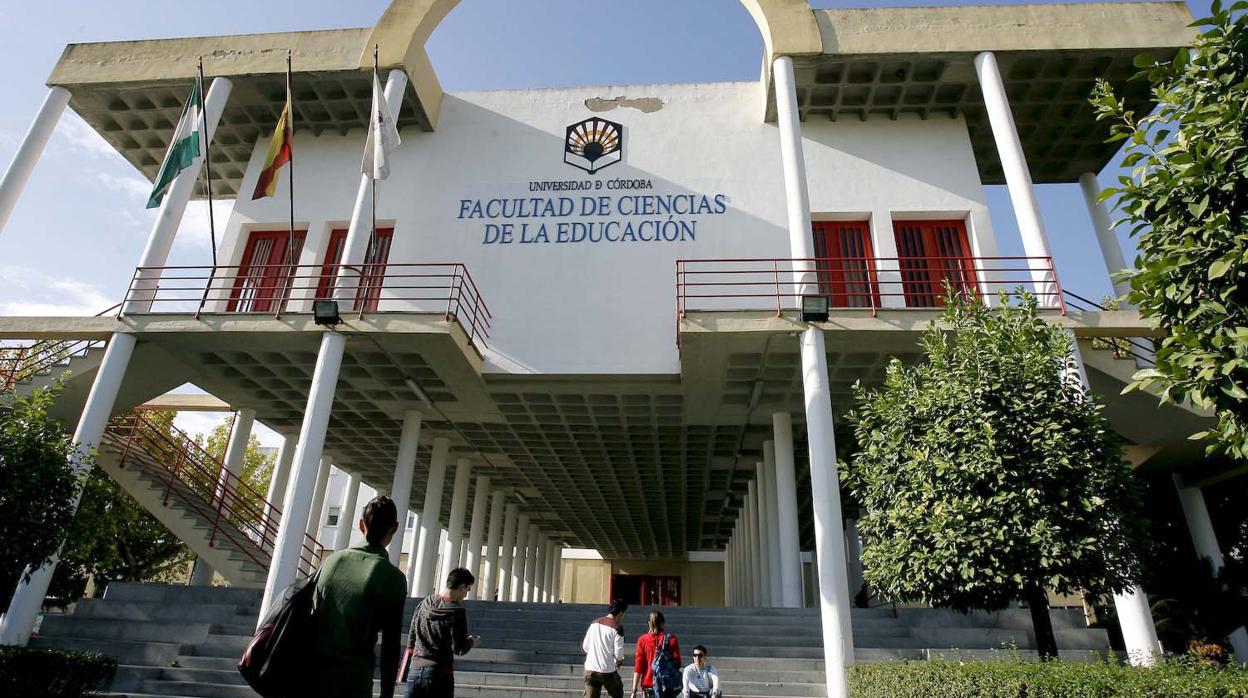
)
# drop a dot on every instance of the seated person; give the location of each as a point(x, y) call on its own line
point(700, 678)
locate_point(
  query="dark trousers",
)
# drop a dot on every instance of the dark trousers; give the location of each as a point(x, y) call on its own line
point(429, 682)
point(596, 682)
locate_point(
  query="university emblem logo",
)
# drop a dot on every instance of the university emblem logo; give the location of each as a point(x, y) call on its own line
point(593, 144)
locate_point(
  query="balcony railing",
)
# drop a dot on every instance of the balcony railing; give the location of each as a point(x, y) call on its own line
point(867, 283)
point(23, 362)
point(446, 288)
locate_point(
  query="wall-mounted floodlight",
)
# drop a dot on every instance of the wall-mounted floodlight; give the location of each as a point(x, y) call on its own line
point(814, 308)
point(325, 313)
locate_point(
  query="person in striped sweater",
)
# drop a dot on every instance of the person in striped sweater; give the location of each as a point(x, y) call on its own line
point(700, 678)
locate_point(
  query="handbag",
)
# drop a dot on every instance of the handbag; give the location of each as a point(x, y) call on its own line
point(277, 655)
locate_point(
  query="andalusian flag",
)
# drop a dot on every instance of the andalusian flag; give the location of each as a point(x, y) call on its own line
point(184, 147)
point(279, 154)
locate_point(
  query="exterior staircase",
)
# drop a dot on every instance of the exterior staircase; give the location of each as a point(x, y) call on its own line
point(27, 368)
point(177, 641)
point(221, 518)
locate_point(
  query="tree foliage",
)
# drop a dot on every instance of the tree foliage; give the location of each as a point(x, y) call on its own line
point(38, 484)
point(257, 467)
point(113, 538)
point(985, 472)
point(1187, 202)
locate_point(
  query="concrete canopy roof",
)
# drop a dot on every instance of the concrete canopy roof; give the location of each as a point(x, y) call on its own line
point(891, 62)
point(131, 92)
point(850, 63)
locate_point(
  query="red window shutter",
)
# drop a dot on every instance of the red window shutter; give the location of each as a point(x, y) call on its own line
point(932, 252)
point(846, 265)
point(374, 267)
point(264, 277)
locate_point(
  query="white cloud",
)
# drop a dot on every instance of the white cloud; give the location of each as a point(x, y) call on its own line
point(199, 423)
point(132, 185)
point(27, 291)
point(7, 137)
point(76, 136)
point(194, 233)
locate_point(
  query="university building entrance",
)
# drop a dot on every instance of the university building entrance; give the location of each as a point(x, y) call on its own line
point(646, 590)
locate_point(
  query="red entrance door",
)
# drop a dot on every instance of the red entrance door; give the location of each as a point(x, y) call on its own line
point(846, 264)
point(932, 252)
point(263, 280)
point(369, 293)
point(646, 590)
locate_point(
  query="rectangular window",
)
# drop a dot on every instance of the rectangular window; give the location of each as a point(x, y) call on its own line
point(846, 264)
point(374, 267)
point(932, 252)
point(264, 275)
point(332, 519)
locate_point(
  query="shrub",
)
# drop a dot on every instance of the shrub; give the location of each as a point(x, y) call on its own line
point(51, 673)
point(1018, 679)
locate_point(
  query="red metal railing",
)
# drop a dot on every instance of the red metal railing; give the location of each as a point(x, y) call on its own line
point(446, 288)
point(20, 363)
point(198, 481)
point(856, 282)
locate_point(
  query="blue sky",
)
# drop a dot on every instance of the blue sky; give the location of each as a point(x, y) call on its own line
point(75, 236)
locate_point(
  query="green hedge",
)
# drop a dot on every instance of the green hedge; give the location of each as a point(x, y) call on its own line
point(1018, 679)
point(49, 673)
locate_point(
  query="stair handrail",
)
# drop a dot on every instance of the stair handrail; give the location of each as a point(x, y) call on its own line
point(199, 481)
point(18, 364)
point(1123, 347)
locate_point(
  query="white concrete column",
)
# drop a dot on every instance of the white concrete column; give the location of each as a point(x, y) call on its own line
point(413, 546)
point(775, 570)
point(826, 499)
point(838, 645)
point(361, 227)
point(764, 530)
point(201, 574)
point(172, 207)
point(236, 448)
point(476, 531)
point(291, 533)
point(1111, 250)
point(853, 551)
point(401, 487)
point(430, 528)
point(506, 554)
point(521, 560)
point(548, 579)
point(489, 567)
point(19, 620)
point(316, 511)
point(756, 564)
point(557, 591)
point(276, 496)
point(1205, 540)
point(786, 512)
point(533, 561)
point(1139, 632)
point(29, 150)
point(346, 513)
point(459, 511)
point(1017, 176)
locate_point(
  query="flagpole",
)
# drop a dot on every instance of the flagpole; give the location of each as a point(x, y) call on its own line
point(203, 115)
point(372, 239)
point(290, 242)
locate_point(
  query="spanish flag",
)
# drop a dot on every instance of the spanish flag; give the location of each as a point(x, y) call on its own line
point(279, 152)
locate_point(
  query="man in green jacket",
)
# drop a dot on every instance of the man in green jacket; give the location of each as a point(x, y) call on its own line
point(359, 594)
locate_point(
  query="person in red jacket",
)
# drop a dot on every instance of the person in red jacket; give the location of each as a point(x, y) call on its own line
point(648, 646)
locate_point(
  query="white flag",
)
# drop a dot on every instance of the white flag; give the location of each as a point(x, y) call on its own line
point(383, 136)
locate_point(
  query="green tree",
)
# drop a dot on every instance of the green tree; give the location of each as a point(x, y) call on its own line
point(1187, 202)
point(257, 467)
point(986, 474)
point(113, 538)
point(38, 485)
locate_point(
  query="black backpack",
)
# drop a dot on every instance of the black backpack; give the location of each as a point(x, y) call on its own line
point(276, 658)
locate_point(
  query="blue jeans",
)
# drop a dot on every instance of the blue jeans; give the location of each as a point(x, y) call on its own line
point(428, 682)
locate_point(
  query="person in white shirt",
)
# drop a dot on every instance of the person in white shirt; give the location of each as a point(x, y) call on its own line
point(700, 678)
point(604, 652)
